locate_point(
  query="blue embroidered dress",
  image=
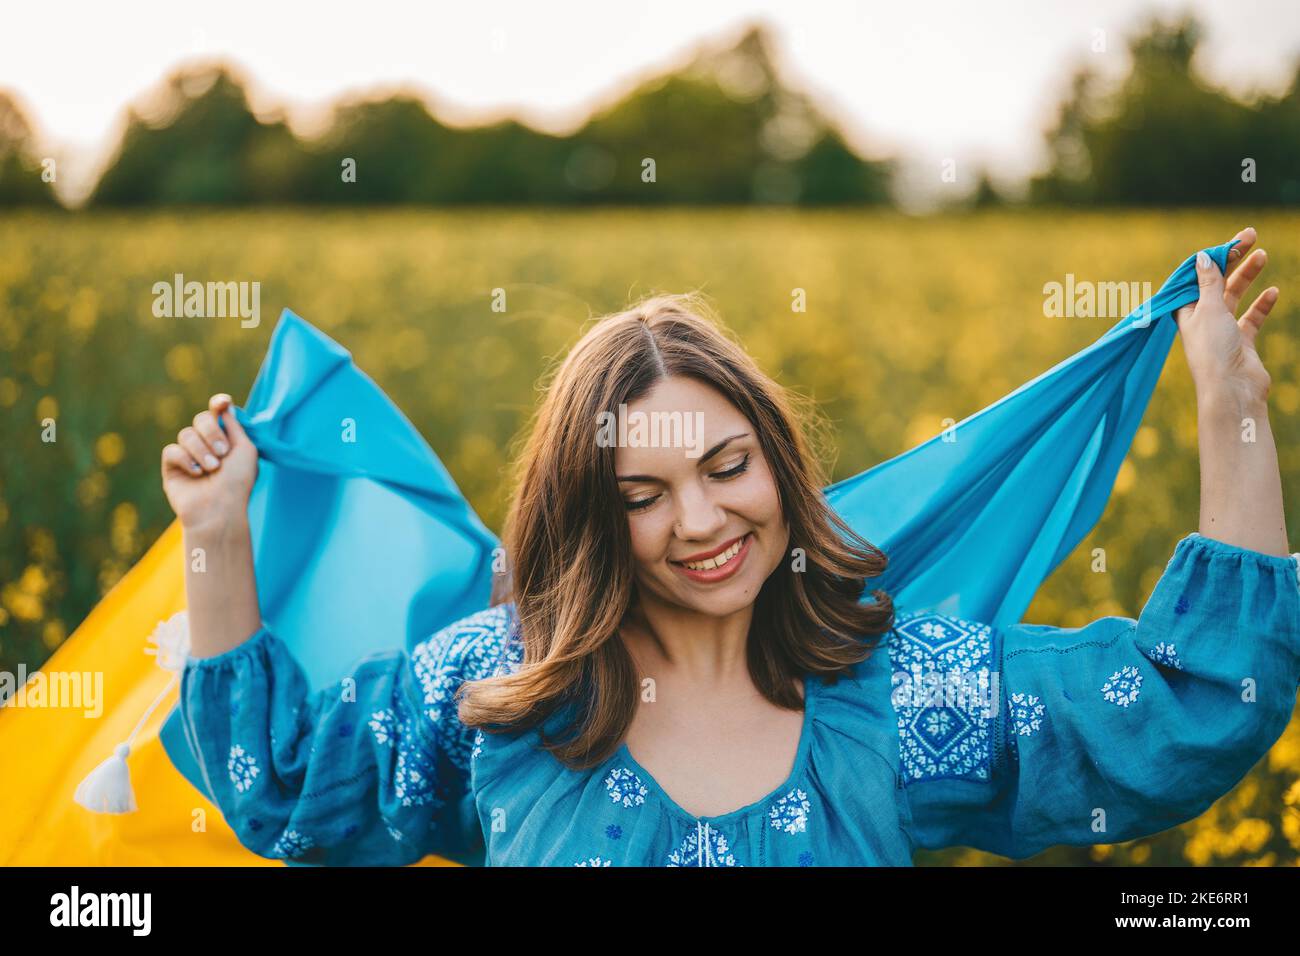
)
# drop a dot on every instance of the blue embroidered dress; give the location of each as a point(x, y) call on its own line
point(952, 733)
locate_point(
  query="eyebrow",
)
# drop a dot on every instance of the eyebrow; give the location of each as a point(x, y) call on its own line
point(703, 458)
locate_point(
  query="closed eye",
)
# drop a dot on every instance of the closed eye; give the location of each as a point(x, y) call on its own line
point(641, 504)
point(734, 471)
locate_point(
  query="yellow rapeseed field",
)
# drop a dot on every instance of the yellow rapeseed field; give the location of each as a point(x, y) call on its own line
point(908, 321)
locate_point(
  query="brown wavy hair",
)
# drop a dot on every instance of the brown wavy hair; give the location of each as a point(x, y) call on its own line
point(568, 545)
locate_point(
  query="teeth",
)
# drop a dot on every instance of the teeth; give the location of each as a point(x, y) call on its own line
point(718, 560)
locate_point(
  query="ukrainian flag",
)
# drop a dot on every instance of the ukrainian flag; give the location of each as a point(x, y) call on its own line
point(362, 543)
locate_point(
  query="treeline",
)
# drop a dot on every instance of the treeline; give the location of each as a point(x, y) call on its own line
point(1166, 138)
point(21, 179)
point(724, 130)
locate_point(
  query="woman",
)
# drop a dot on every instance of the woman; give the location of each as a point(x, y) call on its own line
point(680, 670)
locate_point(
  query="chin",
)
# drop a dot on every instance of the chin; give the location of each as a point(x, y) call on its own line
point(735, 597)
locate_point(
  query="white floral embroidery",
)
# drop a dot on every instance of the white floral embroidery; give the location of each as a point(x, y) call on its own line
point(625, 787)
point(942, 734)
point(413, 779)
point(383, 724)
point(937, 722)
point(395, 834)
point(243, 768)
point(790, 813)
point(594, 861)
point(1123, 687)
point(1026, 713)
point(291, 843)
point(703, 846)
point(476, 647)
point(1165, 654)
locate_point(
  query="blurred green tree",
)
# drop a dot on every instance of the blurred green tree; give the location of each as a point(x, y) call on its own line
point(21, 183)
point(1164, 137)
point(724, 129)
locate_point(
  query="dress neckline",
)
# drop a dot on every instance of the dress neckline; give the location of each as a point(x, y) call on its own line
point(796, 771)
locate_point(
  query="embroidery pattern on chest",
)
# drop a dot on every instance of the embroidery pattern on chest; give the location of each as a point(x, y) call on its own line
point(703, 846)
point(790, 813)
point(625, 788)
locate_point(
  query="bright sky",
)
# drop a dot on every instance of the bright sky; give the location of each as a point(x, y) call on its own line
point(929, 79)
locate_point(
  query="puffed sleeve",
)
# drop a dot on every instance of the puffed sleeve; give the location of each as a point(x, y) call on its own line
point(1038, 735)
point(373, 770)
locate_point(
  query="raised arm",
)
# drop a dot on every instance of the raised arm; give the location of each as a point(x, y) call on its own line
point(207, 475)
point(372, 770)
point(1241, 484)
point(1126, 727)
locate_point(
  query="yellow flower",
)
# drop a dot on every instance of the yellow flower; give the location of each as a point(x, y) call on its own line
point(53, 633)
point(110, 449)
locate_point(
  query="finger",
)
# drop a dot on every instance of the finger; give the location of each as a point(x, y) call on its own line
point(205, 423)
point(1210, 280)
point(1242, 249)
point(234, 431)
point(177, 459)
point(1239, 281)
point(219, 402)
point(193, 442)
point(1253, 320)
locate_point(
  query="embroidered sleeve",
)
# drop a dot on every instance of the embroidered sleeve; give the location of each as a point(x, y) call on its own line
point(1012, 740)
point(373, 770)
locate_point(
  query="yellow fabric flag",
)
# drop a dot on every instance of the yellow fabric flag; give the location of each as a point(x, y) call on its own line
point(47, 751)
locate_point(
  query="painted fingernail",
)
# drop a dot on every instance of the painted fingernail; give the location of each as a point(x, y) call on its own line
point(211, 461)
point(194, 467)
point(221, 448)
point(1202, 261)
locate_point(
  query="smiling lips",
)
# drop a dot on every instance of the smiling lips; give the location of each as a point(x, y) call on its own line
point(720, 563)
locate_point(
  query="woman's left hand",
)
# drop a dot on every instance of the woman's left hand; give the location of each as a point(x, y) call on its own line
point(1220, 349)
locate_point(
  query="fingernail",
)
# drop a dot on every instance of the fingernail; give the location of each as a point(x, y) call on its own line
point(211, 461)
point(194, 467)
point(221, 447)
point(1202, 260)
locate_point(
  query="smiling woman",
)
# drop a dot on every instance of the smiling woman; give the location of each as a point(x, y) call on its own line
point(603, 538)
point(682, 666)
point(714, 582)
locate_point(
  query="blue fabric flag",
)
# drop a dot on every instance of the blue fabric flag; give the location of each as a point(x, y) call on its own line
point(973, 525)
point(362, 540)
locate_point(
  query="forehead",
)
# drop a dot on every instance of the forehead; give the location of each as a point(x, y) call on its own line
point(705, 417)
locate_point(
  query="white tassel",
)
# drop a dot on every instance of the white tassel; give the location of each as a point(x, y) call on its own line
point(107, 788)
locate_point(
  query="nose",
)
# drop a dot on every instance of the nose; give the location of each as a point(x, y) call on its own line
point(699, 518)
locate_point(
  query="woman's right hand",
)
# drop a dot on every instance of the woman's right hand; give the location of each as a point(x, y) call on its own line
point(208, 474)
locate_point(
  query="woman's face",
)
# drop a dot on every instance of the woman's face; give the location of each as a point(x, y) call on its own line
point(709, 489)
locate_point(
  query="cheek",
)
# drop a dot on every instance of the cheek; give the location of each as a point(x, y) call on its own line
point(764, 501)
point(765, 509)
point(650, 536)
